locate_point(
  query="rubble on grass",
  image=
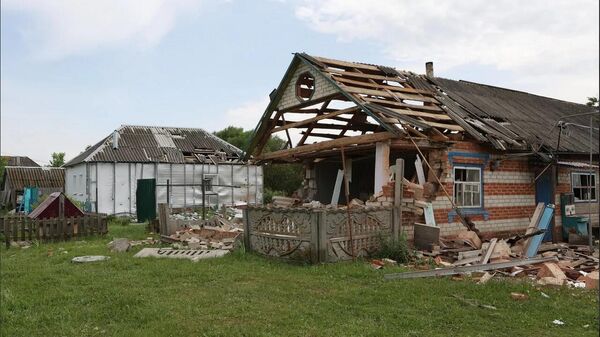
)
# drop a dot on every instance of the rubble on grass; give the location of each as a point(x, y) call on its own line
point(206, 238)
point(574, 265)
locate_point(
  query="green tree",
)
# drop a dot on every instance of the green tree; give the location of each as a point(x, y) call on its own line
point(3, 162)
point(58, 159)
point(278, 178)
point(235, 136)
point(592, 101)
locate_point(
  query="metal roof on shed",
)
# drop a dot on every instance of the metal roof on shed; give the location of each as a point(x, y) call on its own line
point(19, 177)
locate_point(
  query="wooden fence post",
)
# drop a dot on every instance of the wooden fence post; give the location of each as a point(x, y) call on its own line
point(247, 232)
point(15, 231)
point(398, 193)
point(163, 218)
point(23, 225)
point(6, 229)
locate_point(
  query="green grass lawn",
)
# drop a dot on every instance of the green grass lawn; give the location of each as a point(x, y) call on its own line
point(246, 295)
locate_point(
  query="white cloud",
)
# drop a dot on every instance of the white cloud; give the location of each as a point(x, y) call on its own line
point(247, 114)
point(61, 28)
point(552, 47)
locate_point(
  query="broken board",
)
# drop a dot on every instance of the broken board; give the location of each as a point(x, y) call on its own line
point(544, 223)
point(425, 236)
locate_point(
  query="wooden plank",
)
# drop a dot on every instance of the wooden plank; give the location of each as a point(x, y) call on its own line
point(83, 226)
point(398, 191)
point(544, 224)
point(407, 112)
point(330, 126)
point(62, 224)
point(30, 229)
point(335, 197)
point(468, 269)
point(15, 231)
point(426, 108)
point(381, 93)
point(23, 225)
point(6, 231)
point(489, 251)
point(346, 141)
point(354, 74)
point(346, 64)
point(72, 228)
point(425, 236)
point(315, 119)
point(382, 86)
point(420, 172)
point(444, 126)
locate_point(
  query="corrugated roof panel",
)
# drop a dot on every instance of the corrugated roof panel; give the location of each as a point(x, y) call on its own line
point(20, 177)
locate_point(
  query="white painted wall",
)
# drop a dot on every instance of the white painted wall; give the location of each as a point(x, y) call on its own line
point(75, 182)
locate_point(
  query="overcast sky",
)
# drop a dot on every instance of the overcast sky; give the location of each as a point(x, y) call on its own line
point(72, 71)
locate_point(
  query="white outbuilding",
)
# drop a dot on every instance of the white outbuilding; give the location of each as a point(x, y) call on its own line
point(105, 176)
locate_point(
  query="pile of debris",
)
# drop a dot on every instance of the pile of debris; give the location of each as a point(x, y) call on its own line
point(552, 264)
point(205, 238)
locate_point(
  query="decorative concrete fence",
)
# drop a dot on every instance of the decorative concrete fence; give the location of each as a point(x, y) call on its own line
point(316, 235)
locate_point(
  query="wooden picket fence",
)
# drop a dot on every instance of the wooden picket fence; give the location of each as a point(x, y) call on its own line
point(22, 228)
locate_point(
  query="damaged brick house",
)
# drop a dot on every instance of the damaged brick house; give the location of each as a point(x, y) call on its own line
point(497, 152)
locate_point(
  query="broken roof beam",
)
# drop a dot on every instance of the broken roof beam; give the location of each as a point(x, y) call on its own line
point(317, 118)
point(402, 104)
point(381, 93)
point(347, 73)
point(329, 144)
point(344, 64)
point(382, 86)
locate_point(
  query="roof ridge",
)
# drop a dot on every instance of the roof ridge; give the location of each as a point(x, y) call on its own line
point(160, 127)
point(513, 90)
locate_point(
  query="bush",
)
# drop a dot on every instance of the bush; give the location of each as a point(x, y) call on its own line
point(395, 250)
point(286, 178)
point(268, 195)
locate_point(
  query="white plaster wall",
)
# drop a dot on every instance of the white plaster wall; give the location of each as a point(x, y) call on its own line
point(75, 182)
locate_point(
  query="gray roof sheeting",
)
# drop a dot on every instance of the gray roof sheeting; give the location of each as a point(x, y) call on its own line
point(154, 144)
point(529, 116)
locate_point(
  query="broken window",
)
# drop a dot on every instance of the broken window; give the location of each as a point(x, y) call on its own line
point(305, 86)
point(467, 186)
point(584, 186)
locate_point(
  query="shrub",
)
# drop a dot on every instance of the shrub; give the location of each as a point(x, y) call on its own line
point(395, 250)
point(268, 195)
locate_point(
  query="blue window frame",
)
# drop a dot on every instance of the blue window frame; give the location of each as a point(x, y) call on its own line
point(468, 190)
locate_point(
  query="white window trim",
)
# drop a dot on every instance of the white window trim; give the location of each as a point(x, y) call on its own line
point(480, 184)
point(573, 174)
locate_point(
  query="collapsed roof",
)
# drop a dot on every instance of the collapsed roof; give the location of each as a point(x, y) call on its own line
point(157, 144)
point(336, 102)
